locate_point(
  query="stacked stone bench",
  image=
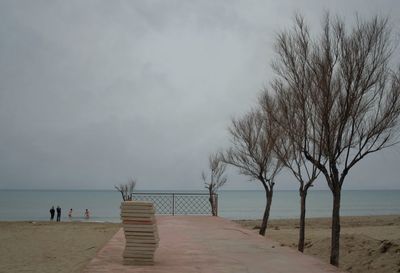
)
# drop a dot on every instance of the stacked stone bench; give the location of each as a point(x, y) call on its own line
point(141, 233)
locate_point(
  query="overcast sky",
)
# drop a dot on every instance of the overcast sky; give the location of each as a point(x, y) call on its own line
point(94, 92)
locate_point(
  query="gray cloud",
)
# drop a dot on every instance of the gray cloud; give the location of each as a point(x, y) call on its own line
point(93, 92)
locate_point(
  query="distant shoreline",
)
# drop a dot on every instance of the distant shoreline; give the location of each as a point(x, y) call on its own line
point(344, 217)
point(240, 221)
point(190, 191)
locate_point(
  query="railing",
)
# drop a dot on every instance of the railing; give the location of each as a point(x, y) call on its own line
point(178, 203)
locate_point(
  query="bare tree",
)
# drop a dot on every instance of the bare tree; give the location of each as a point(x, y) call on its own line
point(290, 144)
point(126, 190)
point(217, 179)
point(352, 105)
point(252, 152)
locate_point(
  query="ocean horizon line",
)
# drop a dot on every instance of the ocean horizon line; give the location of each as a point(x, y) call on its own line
point(191, 190)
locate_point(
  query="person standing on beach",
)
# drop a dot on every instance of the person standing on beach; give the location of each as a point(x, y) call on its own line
point(52, 211)
point(70, 214)
point(58, 213)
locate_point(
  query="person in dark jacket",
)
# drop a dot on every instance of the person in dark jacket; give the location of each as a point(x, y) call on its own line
point(58, 213)
point(52, 211)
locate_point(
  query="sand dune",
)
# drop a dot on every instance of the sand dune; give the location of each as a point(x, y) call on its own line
point(368, 244)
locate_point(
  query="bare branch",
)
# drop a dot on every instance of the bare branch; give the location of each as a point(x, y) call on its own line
point(126, 190)
point(217, 179)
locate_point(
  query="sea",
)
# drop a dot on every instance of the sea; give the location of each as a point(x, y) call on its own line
point(34, 205)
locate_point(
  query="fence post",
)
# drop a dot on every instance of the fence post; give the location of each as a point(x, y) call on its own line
point(173, 204)
point(216, 204)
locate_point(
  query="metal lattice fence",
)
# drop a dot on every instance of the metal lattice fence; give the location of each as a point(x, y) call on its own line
point(178, 203)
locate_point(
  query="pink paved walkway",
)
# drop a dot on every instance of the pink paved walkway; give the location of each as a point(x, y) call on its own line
point(209, 245)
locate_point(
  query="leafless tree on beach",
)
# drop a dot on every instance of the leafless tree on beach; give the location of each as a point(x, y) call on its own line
point(126, 190)
point(289, 146)
point(351, 102)
point(216, 180)
point(252, 152)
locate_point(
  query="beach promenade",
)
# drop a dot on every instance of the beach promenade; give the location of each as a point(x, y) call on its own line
point(209, 245)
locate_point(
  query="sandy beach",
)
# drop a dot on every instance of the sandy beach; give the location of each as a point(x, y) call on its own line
point(368, 244)
point(51, 246)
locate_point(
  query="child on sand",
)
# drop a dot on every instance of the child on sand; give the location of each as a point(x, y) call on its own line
point(70, 213)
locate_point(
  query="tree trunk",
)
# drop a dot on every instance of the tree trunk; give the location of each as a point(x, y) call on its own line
point(266, 212)
point(303, 196)
point(212, 203)
point(335, 228)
